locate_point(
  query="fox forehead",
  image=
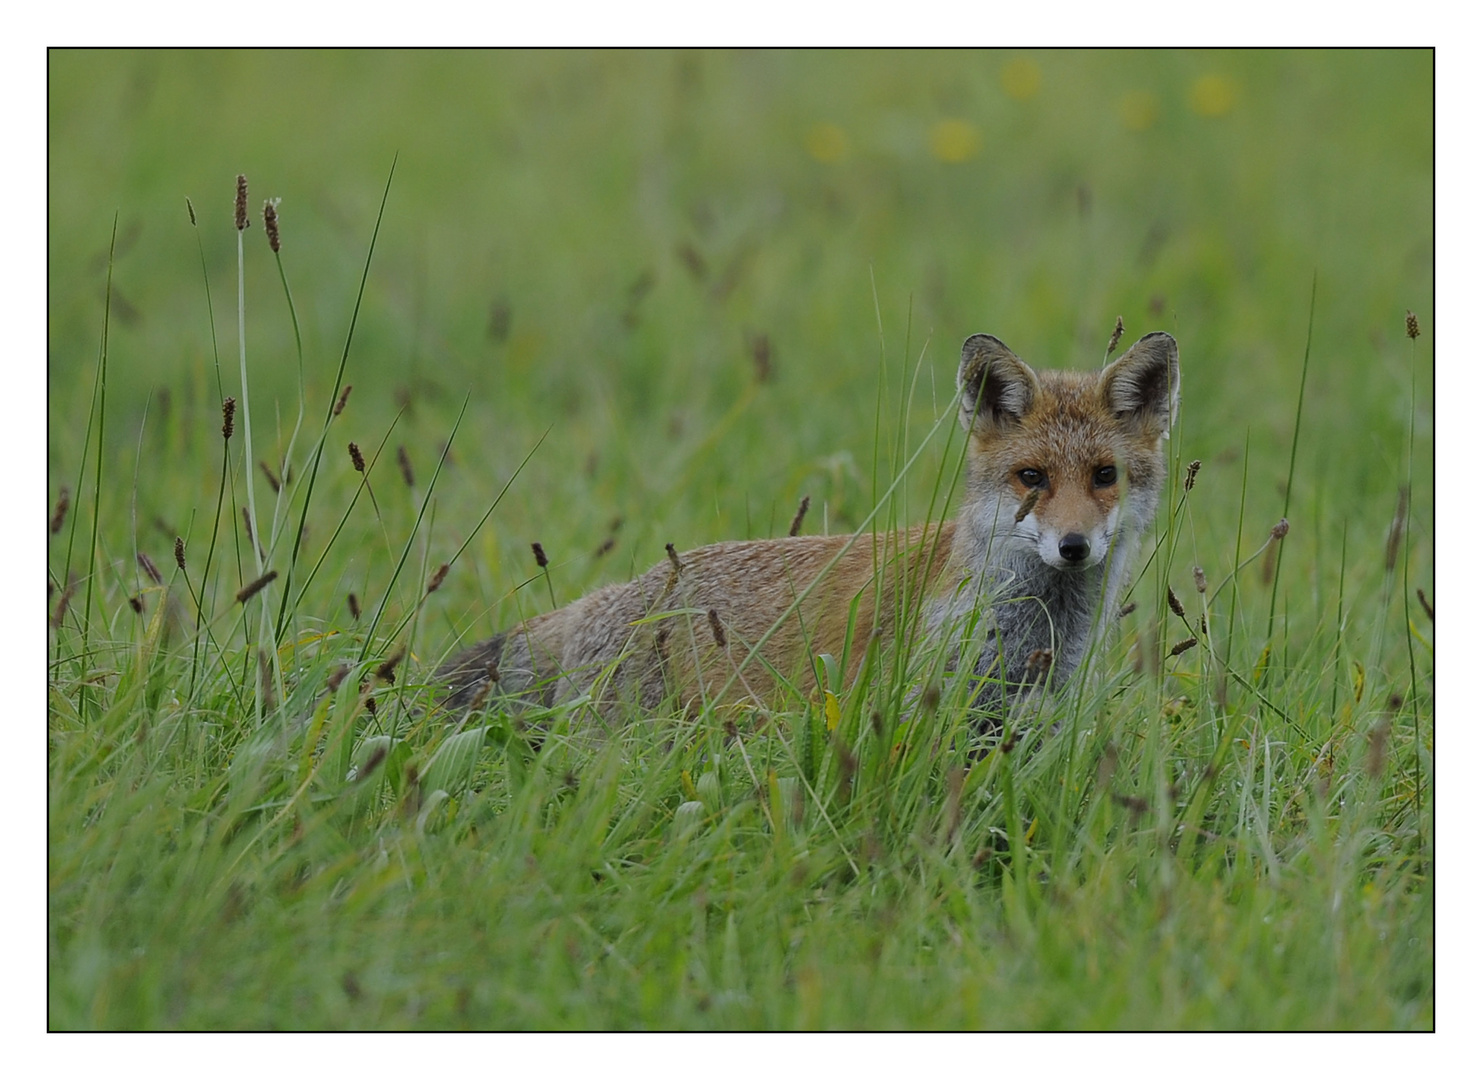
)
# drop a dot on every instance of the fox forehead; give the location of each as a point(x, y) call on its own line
point(1070, 425)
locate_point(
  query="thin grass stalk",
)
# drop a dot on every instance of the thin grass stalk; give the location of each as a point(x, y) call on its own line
point(1291, 469)
point(1405, 560)
point(329, 410)
point(345, 517)
point(370, 632)
point(102, 384)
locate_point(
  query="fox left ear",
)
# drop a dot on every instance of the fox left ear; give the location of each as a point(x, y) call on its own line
point(1141, 385)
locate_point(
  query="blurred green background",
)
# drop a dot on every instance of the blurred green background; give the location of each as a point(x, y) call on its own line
point(693, 268)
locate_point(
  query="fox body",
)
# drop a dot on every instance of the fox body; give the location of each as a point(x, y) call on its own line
point(1062, 478)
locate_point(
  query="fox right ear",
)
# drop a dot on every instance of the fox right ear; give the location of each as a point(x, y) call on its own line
point(995, 388)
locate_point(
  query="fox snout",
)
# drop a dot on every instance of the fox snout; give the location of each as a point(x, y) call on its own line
point(1072, 550)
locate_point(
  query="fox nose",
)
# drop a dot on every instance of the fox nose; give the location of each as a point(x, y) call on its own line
point(1074, 547)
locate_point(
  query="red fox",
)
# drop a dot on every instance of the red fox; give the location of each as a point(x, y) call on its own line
point(1063, 471)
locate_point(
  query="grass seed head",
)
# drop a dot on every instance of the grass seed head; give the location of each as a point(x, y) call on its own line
point(405, 462)
point(1038, 663)
point(1126, 609)
point(761, 357)
point(354, 603)
point(265, 678)
point(1201, 583)
point(608, 543)
point(437, 579)
point(273, 481)
point(1116, 336)
point(60, 611)
point(1183, 646)
point(1280, 529)
point(228, 417)
point(337, 676)
point(252, 588)
point(1377, 740)
point(137, 603)
point(1031, 499)
point(270, 224)
point(356, 458)
point(241, 208)
point(180, 552)
point(1412, 325)
point(59, 513)
point(1430, 612)
point(386, 670)
point(1193, 471)
point(540, 556)
point(1396, 529)
point(797, 519)
point(147, 564)
point(1175, 605)
point(339, 405)
point(191, 210)
point(673, 558)
point(717, 631)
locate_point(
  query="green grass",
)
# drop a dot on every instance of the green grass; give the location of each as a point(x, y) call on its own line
point(578, 260)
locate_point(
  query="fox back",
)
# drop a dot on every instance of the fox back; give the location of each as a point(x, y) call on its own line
point(1062, 478)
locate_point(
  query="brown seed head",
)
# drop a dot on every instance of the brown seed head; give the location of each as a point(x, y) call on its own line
point(1374, 758)
point(1037, 664)
point(1183, 646)
point(717, 631)
point(1192, 472)
point(339, 405)
point(62, 601)
point(356, 458)
point(149, 568)
point(406, 466)
point(1430, 612)
point(761, 357)
point(190, 210)
point(1175, 605)
point(1396, 529)
point(437, 579)
point(252, 588)
point(540, 557)
point(59, 514)
point(607, 545)
point(1200, 581)
point(377, 756)
point(180, 552)
point(354, 603)
point(1412, 325)
point(242, 221)
point(337, 676)
point(228, 417)
point(1280, 529)
point(1031, 498)
point(270, 223)
point(1116, 336)
point(386, 670)
point(1127, 609)
point(137, 603)
point(797, 519)
point(673, 558)
point(273, 481)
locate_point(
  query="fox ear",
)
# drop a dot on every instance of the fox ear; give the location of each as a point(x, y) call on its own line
point(1141, 386)
point(995, 388)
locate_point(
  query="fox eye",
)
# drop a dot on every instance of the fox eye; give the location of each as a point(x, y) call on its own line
point(1105, 476)
point(1031, 478)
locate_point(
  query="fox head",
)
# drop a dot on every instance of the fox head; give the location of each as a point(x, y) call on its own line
point(1065, 464)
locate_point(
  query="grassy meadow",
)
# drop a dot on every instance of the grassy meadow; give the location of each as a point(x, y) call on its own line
point(609, 301)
